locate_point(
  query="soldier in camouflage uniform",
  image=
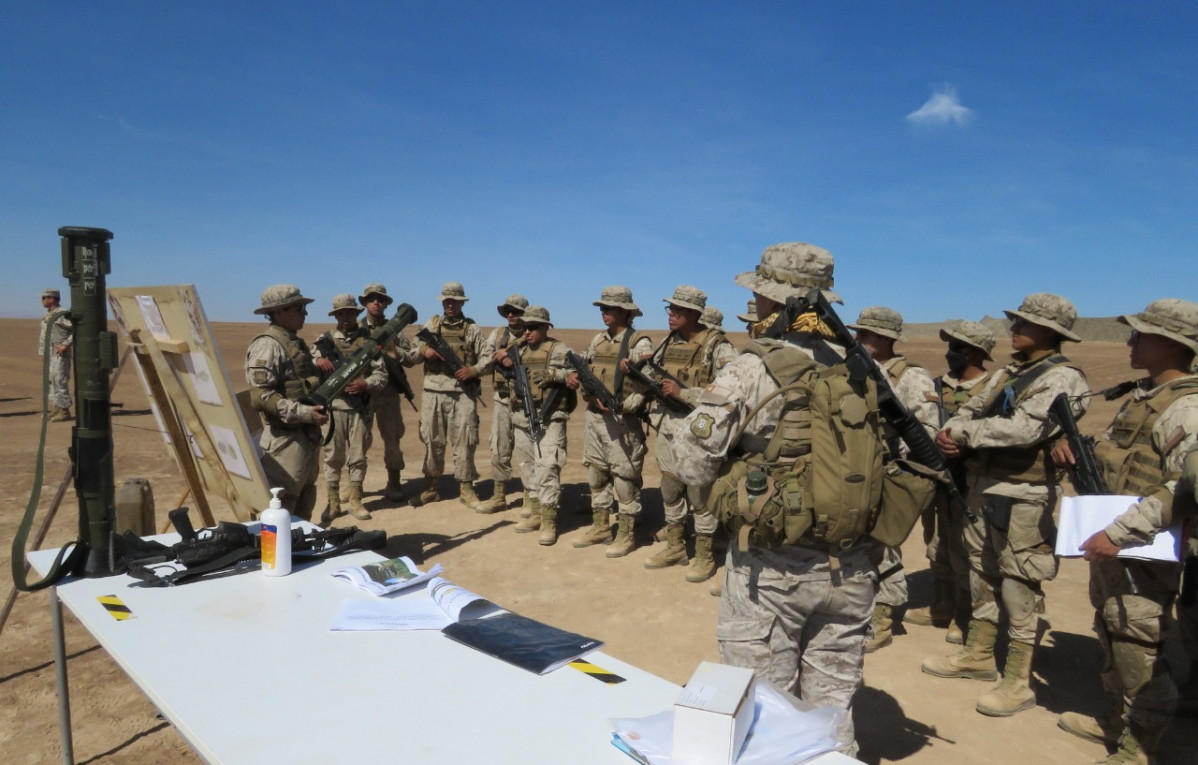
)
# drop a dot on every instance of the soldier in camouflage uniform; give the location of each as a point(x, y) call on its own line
point(749, 317)
point(385, 404)
point(1005, 435)
point(878, 328)
point(280, 372)
point(349, 412)
point(1142, 454)
point(502, 431)
point(693, 354)
point(614, 446)
point(57, 324)
point(448, 415)
point(1187, 607)
point(969, 346)
point(542, 458)
point(798, 614)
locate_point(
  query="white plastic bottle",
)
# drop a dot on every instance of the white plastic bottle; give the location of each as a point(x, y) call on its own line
point(276, 537)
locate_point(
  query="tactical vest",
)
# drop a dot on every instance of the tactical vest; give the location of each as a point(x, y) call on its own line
point(894, 373)
point(684, 360)
point(455, 337)
point(503, 387)
point(952, 397)
point(536, 361)
point(1018, 464)
point(605, 362)
point(818, 479)
point(300, 378)
point(1130, 461)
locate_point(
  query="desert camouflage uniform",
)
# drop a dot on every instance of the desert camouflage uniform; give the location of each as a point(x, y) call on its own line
point(1186, 502)
point(349, 416)
point(502, 430)
point(57, 322)
point(386, 405)
point(447, 414)
point(542, 474)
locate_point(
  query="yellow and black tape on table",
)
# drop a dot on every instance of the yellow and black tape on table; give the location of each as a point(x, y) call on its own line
point(599, 673)
point(115, 607)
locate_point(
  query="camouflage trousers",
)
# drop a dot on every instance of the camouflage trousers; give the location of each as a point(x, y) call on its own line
point(892, 590)
point(502, 440)
point(1010, 554)
point(449, 420)
point(1132, 629)
point(348, 445)
point(388, 418)
point(614, 454)
point(677, 498)
point(542, 475)
point(291, 460)
point(58, 387)
point(795, 621)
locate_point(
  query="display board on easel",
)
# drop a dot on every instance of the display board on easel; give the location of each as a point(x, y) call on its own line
point(190, 395)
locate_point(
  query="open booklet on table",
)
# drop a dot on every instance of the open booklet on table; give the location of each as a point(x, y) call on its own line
point(386, 576)
point(471, 620)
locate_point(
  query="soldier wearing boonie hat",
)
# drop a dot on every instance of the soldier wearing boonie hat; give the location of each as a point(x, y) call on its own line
point(385, 404)
point(542, 456)
point(57, 330)
point(349, 411)
point(749, 317)
point(495, 348)
point(692, 354)
point(1142, 453)
point(281, 371)
point(1005, 435)
point(715, 436)
point(878, 328)
point(613, 449)
point(448, 415)
point(969, 346)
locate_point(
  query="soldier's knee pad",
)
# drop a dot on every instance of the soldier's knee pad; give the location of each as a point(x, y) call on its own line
point(625, 490)
point(672, 490)
point(1020, 599)
point(1134, 662)
point(597, 479)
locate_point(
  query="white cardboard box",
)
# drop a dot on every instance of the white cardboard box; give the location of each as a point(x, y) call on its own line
point(712, 715)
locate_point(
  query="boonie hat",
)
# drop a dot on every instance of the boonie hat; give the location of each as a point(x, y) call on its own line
point(345, 302)
point(791, 269)
point(618, 296)
point(750, 314)
point(1169, 317)
point(280, 296)
point(374, 288)
point(880, 320)
point(51, 292)
point(513, 302)
point(971, 333)
point(712, 318)
point(453, 291)
point(1048, 310)
point(686, 296)
point(535, 314)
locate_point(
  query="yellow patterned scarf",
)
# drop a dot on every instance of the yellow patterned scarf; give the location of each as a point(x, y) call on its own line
point(809, 322)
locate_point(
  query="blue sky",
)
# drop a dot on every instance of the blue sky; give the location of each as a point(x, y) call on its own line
point(952, 156)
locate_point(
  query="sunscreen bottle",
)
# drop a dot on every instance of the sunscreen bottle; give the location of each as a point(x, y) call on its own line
point(276, 537)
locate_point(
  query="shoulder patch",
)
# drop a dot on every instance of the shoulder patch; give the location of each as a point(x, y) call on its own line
point(701, 425)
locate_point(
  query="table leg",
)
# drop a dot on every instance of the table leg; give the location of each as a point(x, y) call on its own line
point(60, 672)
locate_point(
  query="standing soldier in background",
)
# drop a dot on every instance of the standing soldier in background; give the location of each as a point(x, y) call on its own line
point(796, 612)
point(613, 451)
point(494, 350)
point(1187, 605)
point(449, 415)
point(749, 317)
point(280, 372)
point(1141, 454)
point(692, 354)
point(969, 346)
point(878, 328)
point(349, 415)
point(542, 455)
point(56, 324)
point(385, 404)
point(1005, 436)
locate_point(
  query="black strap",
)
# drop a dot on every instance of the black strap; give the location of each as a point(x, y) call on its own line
point(1009, 394)
point(618, 380)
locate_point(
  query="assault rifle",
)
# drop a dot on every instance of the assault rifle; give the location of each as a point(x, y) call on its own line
point(860, 364)
point(637, 372)
point(336, 382)
point(520, 382)
point(472, 387)
point(592, 385)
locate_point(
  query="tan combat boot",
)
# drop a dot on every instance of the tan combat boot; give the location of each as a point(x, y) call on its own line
point(1132, 750)
point(532, 521)
point(58, 414)
point(717, 588)
point(975, 659)
point(334, 507)
point(467, 496)
point(940, 613)
point(354, 500)
point(527, 507)
point(702, 566)
point(675, 550)
point(625, 541)
point(498, 500)
point(599, 532)
point(430, 493)
point(393, 491)
point(1014, 693)
point(1096, 730)
point(548, 526)
point(882, 625)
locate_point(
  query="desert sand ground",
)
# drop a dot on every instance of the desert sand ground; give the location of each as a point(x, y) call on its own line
point(652, 619)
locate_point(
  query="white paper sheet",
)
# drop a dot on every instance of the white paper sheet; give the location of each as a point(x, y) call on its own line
point(402, 614)
point(1082, 517)
point(201, 378)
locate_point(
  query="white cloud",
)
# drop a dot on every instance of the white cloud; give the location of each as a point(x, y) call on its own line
point(942, 108)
